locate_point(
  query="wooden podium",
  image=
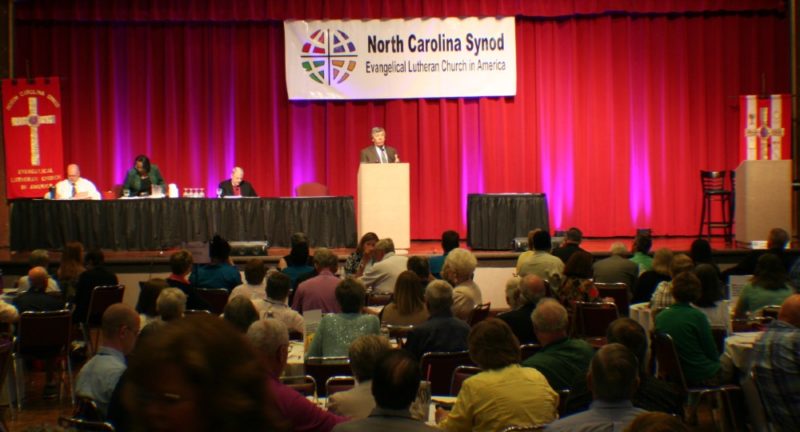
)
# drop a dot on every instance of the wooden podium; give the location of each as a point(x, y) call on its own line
point(763, 199)
point(383, 202)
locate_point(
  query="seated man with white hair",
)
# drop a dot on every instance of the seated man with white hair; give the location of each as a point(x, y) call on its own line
point(459, 268)
point(271, 340)
point(617, 268)
point(382, 275)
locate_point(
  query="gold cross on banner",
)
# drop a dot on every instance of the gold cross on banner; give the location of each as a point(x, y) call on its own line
point(33, 121)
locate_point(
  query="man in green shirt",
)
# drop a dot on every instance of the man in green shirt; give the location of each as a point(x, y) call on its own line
point(562, 359)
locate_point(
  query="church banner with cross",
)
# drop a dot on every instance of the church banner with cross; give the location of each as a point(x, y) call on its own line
point(766, 127)
point(33, 141)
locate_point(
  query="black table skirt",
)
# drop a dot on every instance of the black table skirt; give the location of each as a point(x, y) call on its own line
point(493, 220)
point(150, 224)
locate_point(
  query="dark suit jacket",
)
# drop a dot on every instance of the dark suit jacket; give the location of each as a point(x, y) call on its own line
point(566, 251)
point(441, 333)
point(369, 155)
point(520, 322)
point(38, 301)
point(247, 188)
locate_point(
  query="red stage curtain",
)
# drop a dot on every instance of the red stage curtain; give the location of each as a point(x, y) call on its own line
point(617, 107)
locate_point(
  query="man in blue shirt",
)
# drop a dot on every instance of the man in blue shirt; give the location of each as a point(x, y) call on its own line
point(613, 379)
point(99, 376)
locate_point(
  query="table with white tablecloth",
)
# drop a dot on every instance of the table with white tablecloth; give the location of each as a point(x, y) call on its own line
point(640, 312)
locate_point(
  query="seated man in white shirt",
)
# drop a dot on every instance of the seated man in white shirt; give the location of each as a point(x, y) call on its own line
point(387, 266)
point(275, 306)
point(75, 187)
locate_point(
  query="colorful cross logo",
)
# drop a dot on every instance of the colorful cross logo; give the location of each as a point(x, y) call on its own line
point(327, 56)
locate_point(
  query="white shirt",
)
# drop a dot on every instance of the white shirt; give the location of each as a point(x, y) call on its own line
point(64, 189)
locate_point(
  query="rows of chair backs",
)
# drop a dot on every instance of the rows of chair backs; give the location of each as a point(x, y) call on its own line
point(102, 297)
point(216, 298)
point(479, 313)
point(43, 336)
point(618, 291)
point(591, 320)
point(322, 368)
point(438, 368)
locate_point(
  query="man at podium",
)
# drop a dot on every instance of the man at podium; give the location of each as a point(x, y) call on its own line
point(379, 152)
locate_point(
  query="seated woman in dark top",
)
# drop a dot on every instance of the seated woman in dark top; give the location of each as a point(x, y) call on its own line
point(140, 179)
point(298, 264)
point(649, 280)
point(220, 272)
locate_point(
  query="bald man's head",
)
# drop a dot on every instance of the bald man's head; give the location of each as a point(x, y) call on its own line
point(73, 172)
point(790, 310)
point(532, 288)
point(37, 277)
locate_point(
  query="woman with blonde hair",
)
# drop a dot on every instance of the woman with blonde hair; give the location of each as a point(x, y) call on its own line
point(408, 305)
point(649, 280)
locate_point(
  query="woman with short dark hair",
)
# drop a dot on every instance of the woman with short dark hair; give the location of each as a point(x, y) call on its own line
point(769, 286)
point(337, 331)
point(504, 393)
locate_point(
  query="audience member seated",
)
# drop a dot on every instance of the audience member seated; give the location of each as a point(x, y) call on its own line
point(701, 253)
point(561, 359)
point(95, 275)
point(70, 268)
point(35, 299)
point(396, 384)
point(171, 304)
point(613, 379)
point(539, 261)
point(776, 363)
point(616, 268)
point(386, 267)
point(577, 285)
point(146, 304)
point(420, 265)
point(711, 293)
point(298, 264)
point(641, 252)
point(197, 374)
point(769, 286)
point(358, 403)
point(408, 304)
point(652, 395)
point(572, 242)
point(503, 393)
point(649, 280)
point(240, 312)
point(319, 292)
point(220, 272)
point(777, 240)
point(459, 269)
point(449, 242)
point(691, 333)
point(271, 341)
point(662, 297)
point(254, 273)
point(38, 258)
point(8, 312)
point(442, 332)
point(656, 422)
point(98, 377)
point(532, 290)
point(362, 256)
point(337, 331)
point(180, 264)
point(514, 298)
point(274, 306)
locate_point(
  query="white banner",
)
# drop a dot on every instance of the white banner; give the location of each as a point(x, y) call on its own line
point(400, 59)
